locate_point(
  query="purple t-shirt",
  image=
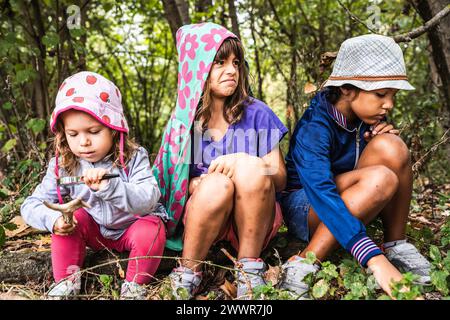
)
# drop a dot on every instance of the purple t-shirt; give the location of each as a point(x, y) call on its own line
point(257, 133)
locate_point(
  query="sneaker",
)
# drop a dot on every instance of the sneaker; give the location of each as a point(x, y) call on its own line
point(294, 271)
point(184, 278)
point(132, 291)
point(407, 258)
point(249, 277)
point(64, 289)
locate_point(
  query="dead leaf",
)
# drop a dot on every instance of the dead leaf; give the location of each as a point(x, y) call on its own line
point(309, 87)
point(21, 226)
point(423, 220)
point(290, 112)
point(11, 296)
point(22, 229)
point(272, 274)
point(229, 289)
point(200, 297)
point(121, 272)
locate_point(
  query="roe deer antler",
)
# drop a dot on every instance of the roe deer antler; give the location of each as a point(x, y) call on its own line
point(67, 209)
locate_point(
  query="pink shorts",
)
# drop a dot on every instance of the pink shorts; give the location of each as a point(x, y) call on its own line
point(230, 234)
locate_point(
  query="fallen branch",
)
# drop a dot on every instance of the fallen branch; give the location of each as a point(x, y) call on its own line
point(406, 37)
point(23, 267)
point(416, 166)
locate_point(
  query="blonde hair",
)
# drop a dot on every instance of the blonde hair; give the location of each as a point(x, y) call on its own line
point(233, 108)
point(69, 162)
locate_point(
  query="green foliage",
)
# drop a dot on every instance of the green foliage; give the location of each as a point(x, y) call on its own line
point(405, 289)
point(9, 145)
point(445, 234)
point(269, 292)
point(108, 286)
point(440, 271)
point(36, 125)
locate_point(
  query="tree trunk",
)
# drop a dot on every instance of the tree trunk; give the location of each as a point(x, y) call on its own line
point(234, 19)
point(203, 5)
point(439, 37)
point(183, 9)
point(173, 17)
point(258, 65)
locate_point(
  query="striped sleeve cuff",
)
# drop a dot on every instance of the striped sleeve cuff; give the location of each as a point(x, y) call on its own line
point(363, 249)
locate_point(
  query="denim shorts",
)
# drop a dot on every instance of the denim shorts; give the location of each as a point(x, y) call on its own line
point(295, 206)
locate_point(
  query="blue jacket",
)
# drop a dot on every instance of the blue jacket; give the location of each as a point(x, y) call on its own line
point(322, 146)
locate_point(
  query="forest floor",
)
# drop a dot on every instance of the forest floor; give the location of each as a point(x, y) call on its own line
point(428, 228)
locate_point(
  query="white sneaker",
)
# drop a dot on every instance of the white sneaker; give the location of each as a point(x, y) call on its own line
point(295, 270)
point(407, 258)
point(64, 289)
point(132, 291)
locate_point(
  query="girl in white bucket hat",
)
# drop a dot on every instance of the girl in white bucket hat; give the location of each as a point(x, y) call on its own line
point(122, 213)
point(346, 166)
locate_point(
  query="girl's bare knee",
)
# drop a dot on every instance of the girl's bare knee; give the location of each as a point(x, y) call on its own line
point(391, 148)
point(250, 178)
point(215, 192)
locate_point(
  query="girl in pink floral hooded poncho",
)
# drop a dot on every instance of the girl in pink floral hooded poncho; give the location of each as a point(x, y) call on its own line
point(220, 162)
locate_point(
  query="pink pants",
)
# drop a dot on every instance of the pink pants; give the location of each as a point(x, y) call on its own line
point(145, 237)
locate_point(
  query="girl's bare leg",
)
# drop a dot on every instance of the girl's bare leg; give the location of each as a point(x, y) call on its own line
point(394, 154)
point(207, 215)
point(253, 207)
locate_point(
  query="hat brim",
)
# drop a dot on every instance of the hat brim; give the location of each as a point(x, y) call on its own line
point(74, 106)
point(372, 85)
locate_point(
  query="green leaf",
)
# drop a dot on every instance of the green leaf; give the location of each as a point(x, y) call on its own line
point(329, 271)
point(19, 201)
point(439, 280)
point(106, 280)
point(2, 236)
point(36, 125)
point(4, 193)
point(310, 258)
point(10, 226)
point(13, 128)
point(5, 210)
point(320, 289)
point(435, 254)
point(42, 146)
point(183, 293)
point(11, 143)
point(76, 32)
point(51, 39)
point(26, 75)
point(7, 106)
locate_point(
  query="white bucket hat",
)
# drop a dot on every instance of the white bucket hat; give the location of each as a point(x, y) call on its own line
point(370, 62)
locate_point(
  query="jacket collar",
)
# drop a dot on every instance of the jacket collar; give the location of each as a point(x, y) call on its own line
point(338, 116)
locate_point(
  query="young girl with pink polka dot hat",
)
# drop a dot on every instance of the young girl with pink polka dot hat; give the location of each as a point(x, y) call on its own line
point(91, 140)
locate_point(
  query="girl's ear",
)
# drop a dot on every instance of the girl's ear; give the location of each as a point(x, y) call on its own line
point(348, 94)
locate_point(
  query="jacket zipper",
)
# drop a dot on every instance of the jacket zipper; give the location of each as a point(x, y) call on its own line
point(357, 145)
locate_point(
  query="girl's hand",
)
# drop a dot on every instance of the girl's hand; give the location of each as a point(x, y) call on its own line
point(225, 164)
point(384, 272)
point(92, 178)
point(61, 228)
point(380, 128)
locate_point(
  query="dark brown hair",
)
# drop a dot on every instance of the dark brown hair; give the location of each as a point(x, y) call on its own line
point(233, 108)
point(334, 93)
point(69, 162)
